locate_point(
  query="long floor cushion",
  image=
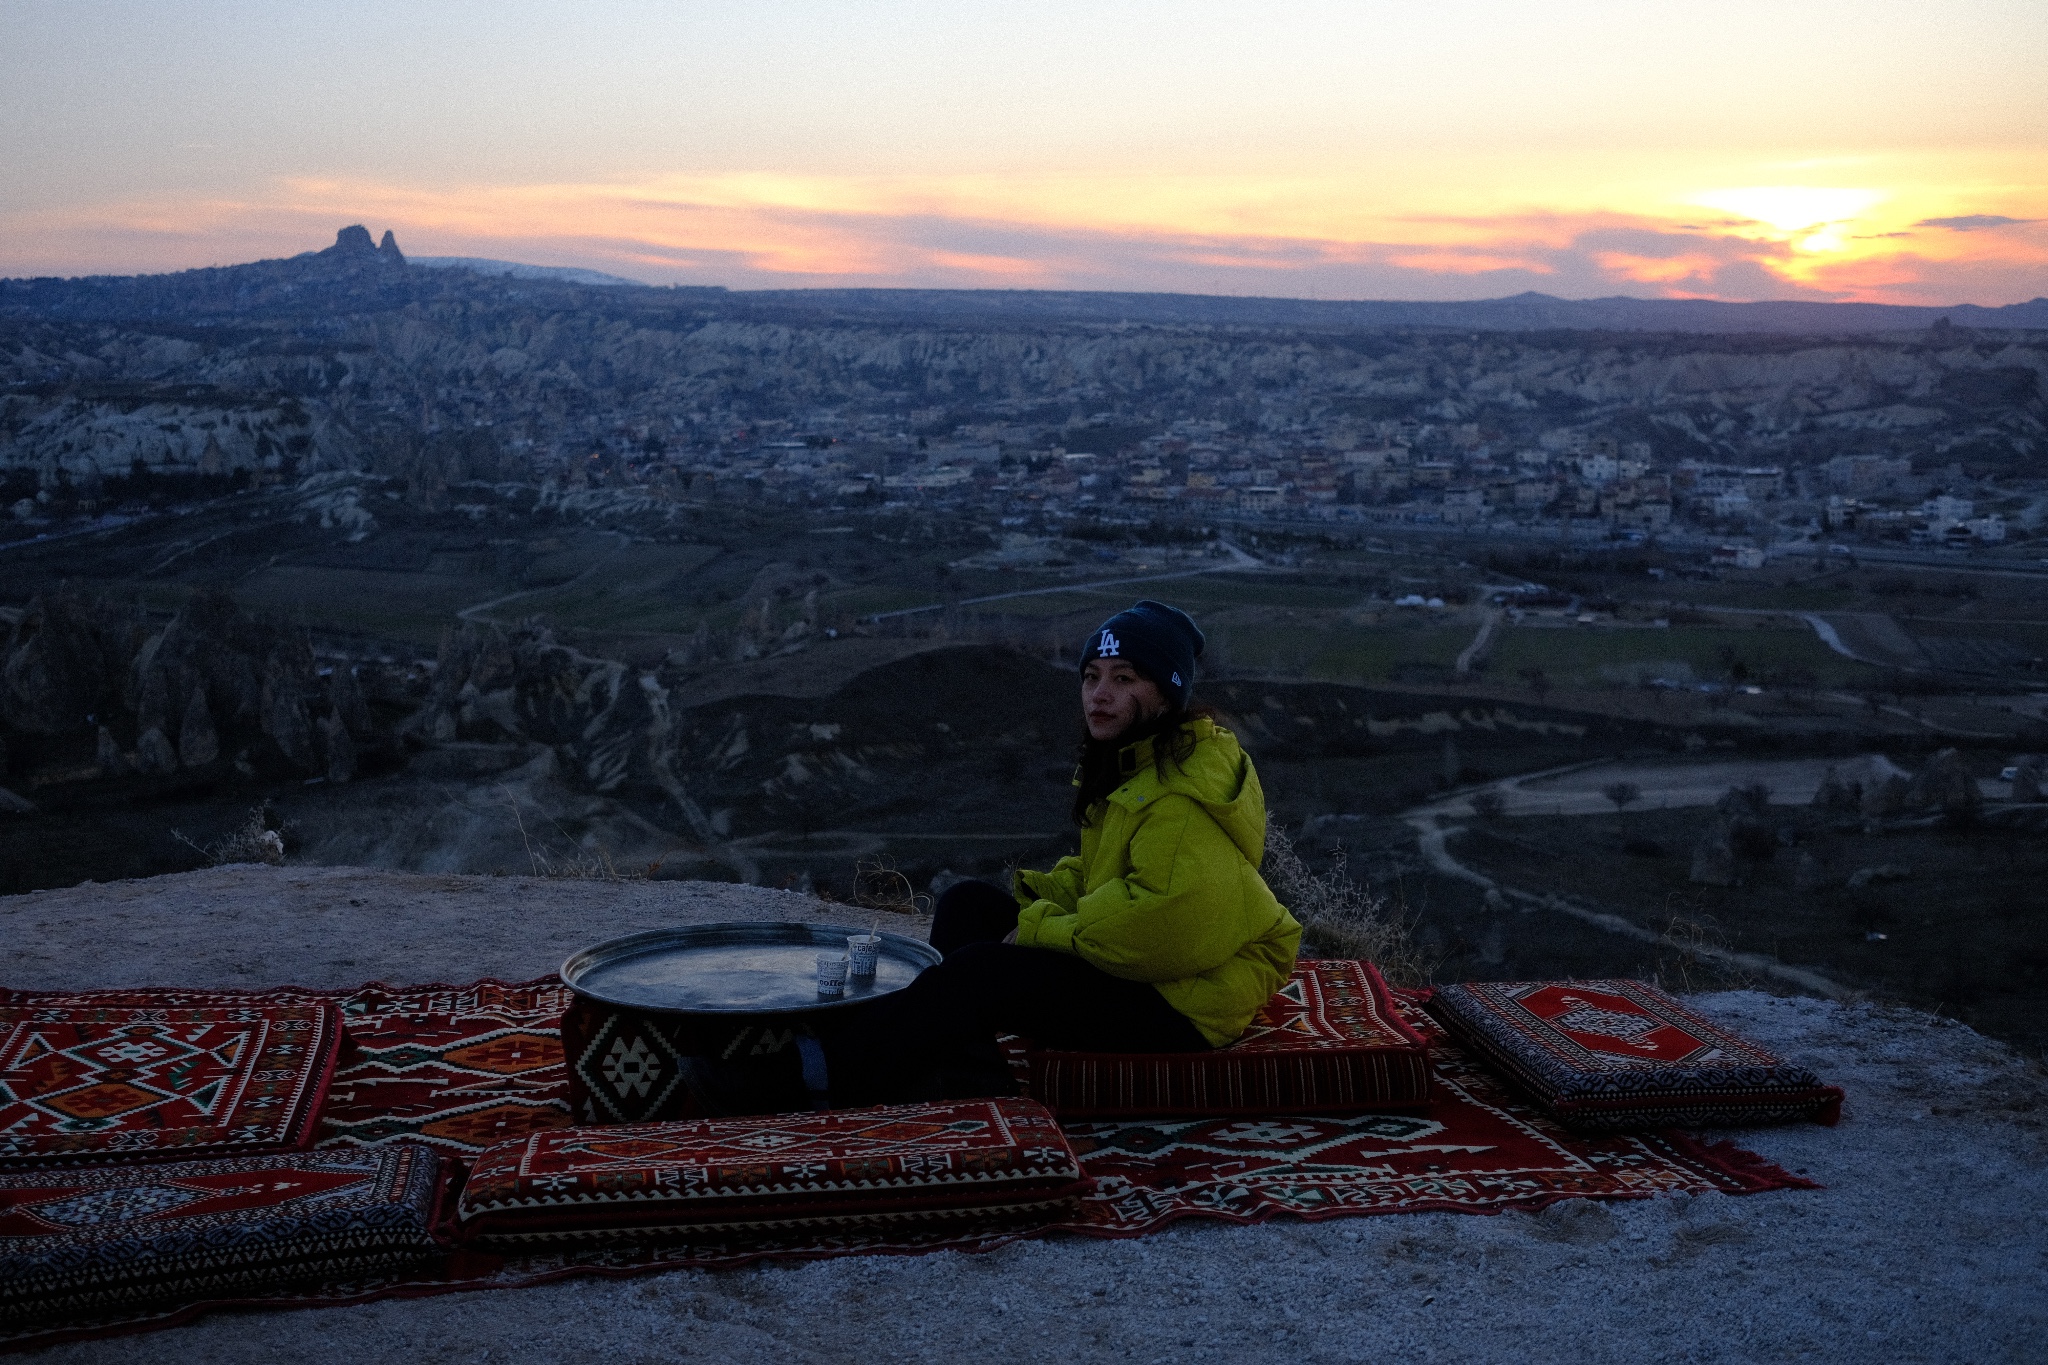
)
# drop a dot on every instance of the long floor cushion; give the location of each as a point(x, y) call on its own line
point(1617, 1055)
point(964, 1164)
point(81, 1242)
point(1329, 1042)
point(140, 1075)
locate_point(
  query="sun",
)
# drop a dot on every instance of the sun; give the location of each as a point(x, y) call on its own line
point(1792, 208)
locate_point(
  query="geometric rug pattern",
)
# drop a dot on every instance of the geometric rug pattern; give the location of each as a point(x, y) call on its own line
point(457, 1068)
point(1619, 1055)
point(964, 1164)
point(152, 1075)
point(1477, 1147)
point(1329, 1041)
point(1327, 1005)
point(76, 1243)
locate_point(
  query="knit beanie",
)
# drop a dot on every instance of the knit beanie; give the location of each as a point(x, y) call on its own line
point(1162, 642)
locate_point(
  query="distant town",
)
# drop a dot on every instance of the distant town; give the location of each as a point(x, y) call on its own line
point(1913, 444)
point(1389, 475)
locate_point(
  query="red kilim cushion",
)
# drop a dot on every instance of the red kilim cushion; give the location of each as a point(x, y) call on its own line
point(965, 1163)
point(82, 1242)
point(1608, 1056)
point(455, 1067)
point(1329, 1042)
point(142, 1075)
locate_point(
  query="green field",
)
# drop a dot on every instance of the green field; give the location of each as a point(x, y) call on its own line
point(392, 605)
point(1047, 605)
point(1574, 656)
point(1216, 591)
point(1829, 595)
point(2031, 634)
point(871, 598)
point(1328, 650)
point(632, 588)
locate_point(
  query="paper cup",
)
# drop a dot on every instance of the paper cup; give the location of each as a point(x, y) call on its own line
point(861, 950)
point(831, 973)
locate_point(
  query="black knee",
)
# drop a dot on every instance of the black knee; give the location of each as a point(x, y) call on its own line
point(972, 912)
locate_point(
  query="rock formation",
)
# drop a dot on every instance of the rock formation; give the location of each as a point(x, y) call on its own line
point(353, 244)
point(1713, 857)
point(338, 749)
point(1885, 797)
point(108, 754)
point(345, 699)
point(198, 740)
point(154, 754)
point(351, 241)
point(76, 673)
point(1838, 794)
point(66, 661)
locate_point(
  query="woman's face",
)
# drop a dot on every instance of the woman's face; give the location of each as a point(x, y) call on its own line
point(1115, 696)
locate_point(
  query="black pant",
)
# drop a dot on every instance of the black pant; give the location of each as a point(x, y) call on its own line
point(936, 1038)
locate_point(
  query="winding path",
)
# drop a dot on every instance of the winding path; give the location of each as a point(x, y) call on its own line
point(1473, 651)
point(1433, 835)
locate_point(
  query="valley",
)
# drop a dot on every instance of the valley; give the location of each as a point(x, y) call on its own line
point(333, 562)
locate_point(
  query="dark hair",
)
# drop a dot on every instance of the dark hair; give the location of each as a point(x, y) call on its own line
point(1100, 766)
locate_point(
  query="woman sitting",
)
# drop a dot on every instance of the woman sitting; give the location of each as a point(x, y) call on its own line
point(1159, 937)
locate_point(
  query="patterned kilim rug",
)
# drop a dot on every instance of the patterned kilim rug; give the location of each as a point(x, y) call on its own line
point(1330, 1041)
point(1608, 1056)
point(99, 1076)
point(455, 1067)
point(1477, 1148)
point(120, 1239)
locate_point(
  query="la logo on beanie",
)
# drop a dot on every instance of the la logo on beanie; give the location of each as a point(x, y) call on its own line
point(1109, 647)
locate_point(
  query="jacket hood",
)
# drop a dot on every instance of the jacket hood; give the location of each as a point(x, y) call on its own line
point(1218, 775)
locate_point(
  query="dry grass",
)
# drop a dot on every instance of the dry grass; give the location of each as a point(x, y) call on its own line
point(878, 886)
point(1339, 917)
point(575, 865)
point(1692, 957)
point(253, 841)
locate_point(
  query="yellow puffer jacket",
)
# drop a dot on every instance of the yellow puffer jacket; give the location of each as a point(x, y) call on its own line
point(1167, 887)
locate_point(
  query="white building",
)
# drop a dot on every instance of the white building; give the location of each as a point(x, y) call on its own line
point(1950, 510)
point(1598, 469)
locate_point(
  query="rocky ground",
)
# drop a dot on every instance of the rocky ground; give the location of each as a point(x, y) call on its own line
point(1924, 1245)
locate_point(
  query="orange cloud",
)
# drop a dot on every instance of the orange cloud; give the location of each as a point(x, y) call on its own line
point(1465, 263)
point(1191, 234)
point(1656, 269)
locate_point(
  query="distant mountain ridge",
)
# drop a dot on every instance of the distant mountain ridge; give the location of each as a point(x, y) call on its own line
point(1525, 312)
point(354, 275)
point(566, 274)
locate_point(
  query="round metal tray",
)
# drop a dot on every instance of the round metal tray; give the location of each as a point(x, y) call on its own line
point(737, 967)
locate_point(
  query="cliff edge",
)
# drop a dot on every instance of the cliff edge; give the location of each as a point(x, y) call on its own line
point(1924, 1245)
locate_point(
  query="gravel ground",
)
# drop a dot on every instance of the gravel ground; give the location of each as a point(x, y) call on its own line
point(1927, 1245)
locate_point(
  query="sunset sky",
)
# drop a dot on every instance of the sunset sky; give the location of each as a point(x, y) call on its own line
point(1875, 151)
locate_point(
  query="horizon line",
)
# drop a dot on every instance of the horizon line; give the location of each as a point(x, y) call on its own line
point(624, 281)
